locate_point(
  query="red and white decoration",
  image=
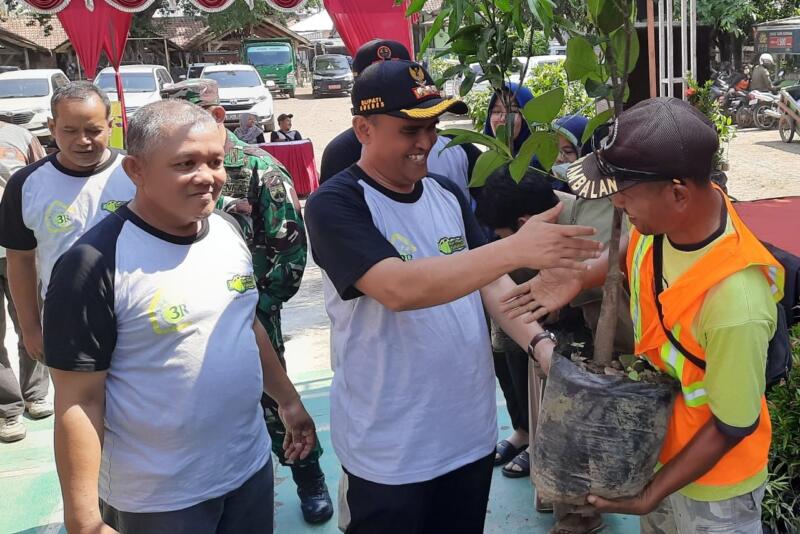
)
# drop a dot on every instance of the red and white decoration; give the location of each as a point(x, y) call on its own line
point(287, 6)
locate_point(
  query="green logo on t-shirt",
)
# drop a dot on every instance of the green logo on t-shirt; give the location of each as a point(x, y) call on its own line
point(242, 283)
point(451, 245)
point(166, 316)
point(57, 217)
point(403, 245)
point(112, 205)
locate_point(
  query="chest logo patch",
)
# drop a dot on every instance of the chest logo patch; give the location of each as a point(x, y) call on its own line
point(58, 218)
point(167, 317)
point(403, 245)
point(111, 206)
point(451, 245)
point(242, 283)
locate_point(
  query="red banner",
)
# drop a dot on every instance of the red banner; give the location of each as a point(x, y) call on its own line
point(360, 21)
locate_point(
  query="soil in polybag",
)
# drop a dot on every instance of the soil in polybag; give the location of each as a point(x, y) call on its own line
point(597, 434)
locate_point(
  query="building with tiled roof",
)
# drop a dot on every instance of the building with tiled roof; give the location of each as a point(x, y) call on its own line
point(28, 28)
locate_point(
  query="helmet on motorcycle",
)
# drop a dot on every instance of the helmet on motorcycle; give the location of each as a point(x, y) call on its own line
point(766, 59)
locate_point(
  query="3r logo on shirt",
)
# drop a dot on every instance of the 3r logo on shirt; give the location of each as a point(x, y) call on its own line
point(165, 316)
point(58, 218)
point(451, 245)
point(404, 246)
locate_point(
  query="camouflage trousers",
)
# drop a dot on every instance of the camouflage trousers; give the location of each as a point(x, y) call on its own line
point(681, 515)
point(277, 431)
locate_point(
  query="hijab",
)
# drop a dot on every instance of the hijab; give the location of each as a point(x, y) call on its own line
point(523, 96)
point(245, 134)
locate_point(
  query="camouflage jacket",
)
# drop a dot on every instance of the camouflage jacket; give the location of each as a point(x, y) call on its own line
point(274, 232)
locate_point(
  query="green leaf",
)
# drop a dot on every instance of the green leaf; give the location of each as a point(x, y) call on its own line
point(633, 375)
point(468, 136)
point(503, 5)
point(548, 151)
point(436, 27)
point(596, 89)
point(610, 16)
point(542, 10)
point(618, 39)
point(525, 155)
point(467, 32)
point(487, 163)
point(467, 82)
point(464, 46)
point(597, 120)
point(415, 7)
point(545, 107)
point(581, 59)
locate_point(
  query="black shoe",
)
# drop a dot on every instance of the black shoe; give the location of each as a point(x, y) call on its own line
point(315, 501)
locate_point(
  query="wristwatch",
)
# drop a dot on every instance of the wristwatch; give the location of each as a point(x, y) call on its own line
point(545, 334)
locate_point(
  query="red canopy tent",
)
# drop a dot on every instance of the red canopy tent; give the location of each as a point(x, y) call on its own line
point(360, 21)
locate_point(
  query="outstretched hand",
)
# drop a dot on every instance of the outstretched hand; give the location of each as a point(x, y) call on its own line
point(545, 244)
point(546, 293)
point(301, 435)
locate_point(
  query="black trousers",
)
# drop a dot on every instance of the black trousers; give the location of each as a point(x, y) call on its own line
point(453, 502)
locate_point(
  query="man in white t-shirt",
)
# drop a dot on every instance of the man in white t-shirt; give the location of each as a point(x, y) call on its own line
point(406, 279)
point(17, 149)
point(157, 357)
point(49, 204)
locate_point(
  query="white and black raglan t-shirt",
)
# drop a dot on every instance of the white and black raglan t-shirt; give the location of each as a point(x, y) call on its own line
point(413, 394)
point(171, 321)
point(47, 207)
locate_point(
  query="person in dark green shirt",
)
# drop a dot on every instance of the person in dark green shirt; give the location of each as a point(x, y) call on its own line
point(260, 195)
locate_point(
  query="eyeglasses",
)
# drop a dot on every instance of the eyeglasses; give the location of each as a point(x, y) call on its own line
point(503, 113)
point(620, 173)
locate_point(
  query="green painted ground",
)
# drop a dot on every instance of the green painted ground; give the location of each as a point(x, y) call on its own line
point(30, 499)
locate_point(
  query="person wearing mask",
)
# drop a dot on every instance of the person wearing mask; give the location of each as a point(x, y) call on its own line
point(49, 204)
point(158, 360)
point(259, 194)
point(455, 163)
point(406, 278)
point(703, 303)
point(248, 132)
point(284, 132)
point(18, 148)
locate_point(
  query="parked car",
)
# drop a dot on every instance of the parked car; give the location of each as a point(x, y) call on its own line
point(25, 99)
point(242, 91)
point(141, 84)
point(196, 69)
point(331, 75)
point(533, 62)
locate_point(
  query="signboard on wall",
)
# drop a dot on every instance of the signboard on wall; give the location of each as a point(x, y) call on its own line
point(778, 41)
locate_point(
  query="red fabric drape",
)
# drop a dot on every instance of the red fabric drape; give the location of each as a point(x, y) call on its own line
point(359, 21)
point(116, 35)
point(47, 6)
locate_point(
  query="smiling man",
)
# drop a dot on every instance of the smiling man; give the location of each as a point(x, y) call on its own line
point(413, 411)
point(49, 204)
point(158, 361)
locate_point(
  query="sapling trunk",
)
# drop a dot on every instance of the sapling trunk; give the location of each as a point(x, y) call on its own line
point(607, 322)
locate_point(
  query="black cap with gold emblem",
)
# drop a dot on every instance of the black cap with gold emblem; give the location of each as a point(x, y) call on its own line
point(378, 50)
point(402, 89)
point(657, 139)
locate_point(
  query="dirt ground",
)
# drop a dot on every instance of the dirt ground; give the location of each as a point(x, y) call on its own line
point(762, 166)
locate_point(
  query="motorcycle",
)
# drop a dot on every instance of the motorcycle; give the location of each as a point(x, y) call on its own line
point(766, 113)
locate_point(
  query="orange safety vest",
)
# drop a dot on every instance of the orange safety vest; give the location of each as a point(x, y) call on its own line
point(680, 303)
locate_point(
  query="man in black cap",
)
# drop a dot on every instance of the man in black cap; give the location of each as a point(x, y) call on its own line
point(455, 163)
point(703, 304)
point(413, 410)
point(284, 132)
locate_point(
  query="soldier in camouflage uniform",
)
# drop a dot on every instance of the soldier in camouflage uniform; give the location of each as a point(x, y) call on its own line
point(259, 193)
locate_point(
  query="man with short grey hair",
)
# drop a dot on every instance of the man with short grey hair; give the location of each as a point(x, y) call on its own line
point(49, 204)
point(157, 357)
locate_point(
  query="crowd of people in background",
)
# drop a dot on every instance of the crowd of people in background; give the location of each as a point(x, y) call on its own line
point(156, 277)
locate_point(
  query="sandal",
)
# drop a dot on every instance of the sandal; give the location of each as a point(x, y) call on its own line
point(523, 461)
point(583, 525)
point(504, 452)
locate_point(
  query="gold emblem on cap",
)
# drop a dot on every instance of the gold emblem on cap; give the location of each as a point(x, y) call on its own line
point(418, 74)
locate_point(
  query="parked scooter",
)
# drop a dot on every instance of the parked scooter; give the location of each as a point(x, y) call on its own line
point(765, 107)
